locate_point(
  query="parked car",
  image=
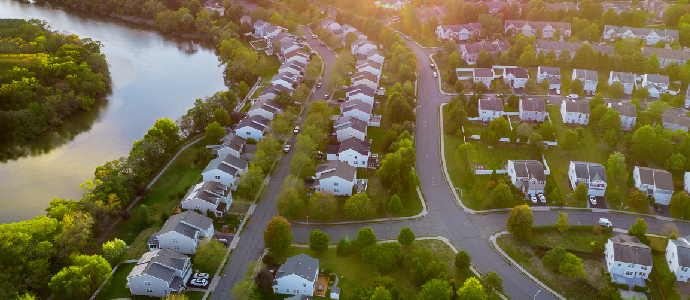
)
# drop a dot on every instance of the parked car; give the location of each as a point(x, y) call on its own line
point(340, 100)
point(435, 74)
point(200, 276)
point(286, 149)
point(534, 198)
point(572, 96)
point(542, 198)
point(558, 91)
point(199, 282)
point(322, 44)
point(314, 36)
point(296, 130)
point(605, 222)
point(593, 200)
point(432, 66)
point(318, 84)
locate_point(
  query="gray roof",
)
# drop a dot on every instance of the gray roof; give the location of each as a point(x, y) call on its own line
point(336, 168)
point(656, 78)
point(235, 143)
point(495, 104)
point(209, 191)
point(355, 144)
point(360, 88)
point(160, 263)
point(364, 75)
point(235, 162)
point(332, 149)
point(253, 122)
point(517, 72)
point(580, 106)
point(623, 77)
point(553, 71)
point(494, 47)
point(537, 24)
point(624, 109)
point(661, 179)
point(350, 122)
point(533, 105)
point(547, 45)
point(586, 75)
point(301, 265)
point(683, 252)
point(186, 223)
point(642, 31)
point(675, 117)
point(458, 28)
point(356, 104)
point(529, 169)
point(666, 53)
point(480, 72)
point(588, 170)
point(628, 249)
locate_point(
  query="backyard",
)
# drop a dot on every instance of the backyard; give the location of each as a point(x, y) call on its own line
point(117, 287)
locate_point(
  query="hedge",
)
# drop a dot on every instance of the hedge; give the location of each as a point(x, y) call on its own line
point(572, 228)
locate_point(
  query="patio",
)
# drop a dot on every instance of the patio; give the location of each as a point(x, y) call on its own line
point(321, 285)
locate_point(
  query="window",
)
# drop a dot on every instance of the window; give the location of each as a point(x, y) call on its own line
point(198, 206)
point(631, 266)
point(248, 133)
point(147, 282)
point(176, 247)
point(335, 183)
point(304, 284)
point(217, 177)
point(174, 240)
point(287, 290)
point(684, 269)
point(335, 190)
point(149, 290)
point(355, 162)
point(295, 291)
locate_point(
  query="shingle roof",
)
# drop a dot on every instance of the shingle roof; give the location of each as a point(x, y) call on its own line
point(235, 162)
point(529, 169)
point(586, 75)
point(537, 24)
point(479, 72)
point(354, 143)
point(642, 31)
point(495, 104)
point(538, 105)
point(209, 191)
point(589, 170)
point(186, 223)
point(628, 249)
point(579, 106)
point(553, 71)
point(675, 117)
point(360, 88)
point(301, 265)
point(572, 47)
point(517, 72)
point(683, 249)
point(495, 47)
point(235, 143)
point(458, 28)
point(336, 168)
point(160, 263)
point(666, 53)
point(350, 122)
point(661, 179)
point(624, 109)
point(656, 78)
point(355, 104)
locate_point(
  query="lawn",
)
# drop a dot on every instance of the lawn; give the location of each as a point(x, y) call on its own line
point(522, 253)
point(341, 94)
point(573, 239)
point(258, 91)
point(661, 273)
point(442, 68)
point(271, 68)
point(117, 284)
point(377, 134)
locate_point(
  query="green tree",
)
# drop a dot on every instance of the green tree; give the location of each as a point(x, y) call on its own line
point(520, 221)
point(571, 265)
point(436, 289)
point(381, 294)
point(75, 234)
point(480, 87)
point(245, 290)
point(365, 237)
point(501, 195)
point(209, 255)
point(278, 234)
point(616, 90)
point(318, 241)
point(323, 205)
point(676, 162)
point(290, 202)
point(637, 199)
point(383, 256)
point(459, 87)
point(472, 290)
point(553, 258)
point(576, 86)
point(114, 251)
point(394, 204)
point(214, 132)
point(679, 205)
point(357, 206)
point(570, 140)
point(221, 116)
point(454, 60)
point(343, 248)
point(276, 19)
point(250, 182)
point(580, 193)
point(462, 260)
point(492, 283)
point(406, 236)
point(562, 223)
point(242, 90)
point(615, 166)
point(82, 278)
point(639, 229)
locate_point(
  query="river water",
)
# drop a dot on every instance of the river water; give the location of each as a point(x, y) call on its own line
point(153, 75)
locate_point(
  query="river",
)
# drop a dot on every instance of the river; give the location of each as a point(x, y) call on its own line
point(154, 76)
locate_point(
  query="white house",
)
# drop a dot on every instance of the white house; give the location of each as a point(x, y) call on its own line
point(528, 28)
point(159, 273)
point(225, 170)
point(458, 32)
point(527, 175)
point(589, 79)
point(362, 46)
point(293, 69)
point(351, 151)
point(490, 108)
point(575, 111)
point(297, 55)
point(271, 92)
point(627, 79)
point(532, 110)
point(543, 47)
point(287, 81)
point(374, 55)
point(483, 75)
point(627, 260)
point(470, 52)
point(183, 232)
point(232, 145)
point(666, 56)
point(272, 31)
point(252, 127)
point(208, 196)
point(656, 84)
point(371, 67)
point(357, 109)
point(627, 113)
point(649, 35)
point(348, 127)
point(367, 79)
point(259, 28)
point(654, 182)
point(336, 177)
point(678, 258)
point(553, 74)
point(686, 181)
point(297, 276)
point(675, 120)
point(515, 77)
point(360, 92)
point(593, 175)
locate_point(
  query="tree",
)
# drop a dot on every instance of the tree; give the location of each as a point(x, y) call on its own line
point(679, 205)
point(318, 241)
point(436, 289)
point(82, 278)
point(276, 19)
point(406, 236)
point(615, 166)
point(214, 132)
point(114, 251)
point(221, 116)
point(459, 87)
point(520, 221)
point(209, 255)
point(394, 204)
point(639, 229)
point(365, 237)
point(637, 199)
point(463, 260)
point(501, 195)
point(357, 206)
point(480, 87)
point(596, 247)
point(576, 86)
point(383, 256)
point(75, 233)
point(472, 290)
point(244, 289)
point(278, 234)
point(343, 248)
point(264, 281)
point(350, 38)
point(580, 193)
point(454, 60)
point(570, 140)
point(242, 90)
point(656, 109)
point(381, 294)
point(492, 283)
point(553, 258)
point(323, 205)
point(596, 228)
point(500, 126)
point(250, 182)
point(616, 90)
point(571, 265)
point(676, 162)
point(290, 202)
point(562, 223)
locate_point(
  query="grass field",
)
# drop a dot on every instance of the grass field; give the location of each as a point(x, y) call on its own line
point(572, 239)
point(271, 68)
point(117, 284)
point(661, 273)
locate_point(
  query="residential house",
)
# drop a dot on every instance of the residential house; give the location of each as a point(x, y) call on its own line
point(208, 196)
point(246, 19)
point(470, 52)
point(667, 56)
point(627, 79)
point(515, 77)
point(429, 12)
point(655, 183)
point(656, 7)
point(651, 36)
point(656, 84)
point(270, 92)
point(362, 46)
point(367, 79)
point(375, 55)
point(232, 145)
point(627, 260)
point(370, 67)
point(352, 151)
point(293, 69)
point(361, 92)
point(686, 181)
point(182, 232)
point(559, 46)
point(391, 4)
point(532, 110)
point(297, 276)
point(553, 74)
point(290, 45)
point(347, 127)
point(589, 79)
point(458, 32)
point(356, 109)
point(627, 113)
point(330, 25)
point(260, 27)
point(592, 175)
point(675, 120)
point(492, 7)
point(575, 111)
point(529, 28)
point(336, 177)
point(565, 6)
point(160, 273)
point(678, 258)
point(490, 108)
point(225, 170)
point(271, 32)
point(300, 56)
point(527, 175)
point(287, 81)
point(483, 75)
point(266, 109)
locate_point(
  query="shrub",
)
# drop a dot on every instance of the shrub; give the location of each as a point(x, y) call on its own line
point(330, 282)
point(180, 194)
point(640, 289)
point(171, 196)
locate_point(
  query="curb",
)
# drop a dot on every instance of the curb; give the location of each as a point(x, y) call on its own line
point(458, 201)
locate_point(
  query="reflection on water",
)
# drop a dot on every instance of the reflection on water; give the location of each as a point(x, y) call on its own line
point(153, 76)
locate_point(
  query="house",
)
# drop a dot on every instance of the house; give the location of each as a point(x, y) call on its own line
point(429, 12)
point(335, 292)
point(483, 75)
point(367, 79)
point(289, 46)
point(649, 35)
point(552, 74)
point(544, 46)
point(686, 181)
point(678, 258)
point(330, 25)
point(470, 52)
point(656, 7)
point(208, 196)
point(667, 56)
point(360, 92)
point(362, 46)
point(372, 67)
point(655, 183)
point(374, 55)
point(231, 146)
point(674, 120)
point(458, 32)
point(246, 19)
point(266, 109)
point(492, 7)
point(272, 31)
point(336, 177)
point(297, 55)
point(627, 113)
point(297, 276)
point(656, 84)
point(515, 77)
point(575, 111)
point(270, 92)
point(293, 69)
point(348, 127)
point(160, 273)
point(391, 4)
point(287, 81)
point(593, 175)
point(529, 28)
point(527, 175)
point(182, 232)
point(490, 108)
point(260, 27)
point(225, 170)
point(356, 109)
point(532, 110)
point(627, 79)
point(565, 6)
point(589, 79)
point(351, 151)
point(627, 260)
point(252, 127)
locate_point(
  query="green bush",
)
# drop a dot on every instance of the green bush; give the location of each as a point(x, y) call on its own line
point(640, 289)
